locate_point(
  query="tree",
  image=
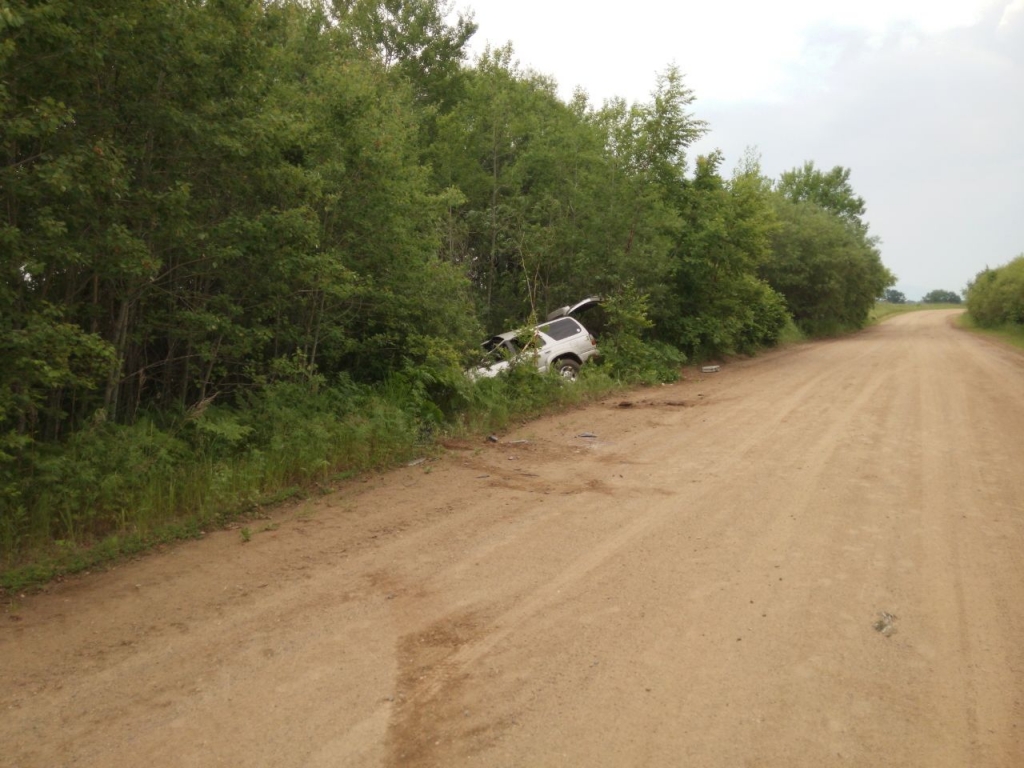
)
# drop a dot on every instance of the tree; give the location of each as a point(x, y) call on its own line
point(831, 191)
point(893, 296)
point(823, 260)
point(941, 297)
point(717, 301)
point(413, 39)
point(827, 270)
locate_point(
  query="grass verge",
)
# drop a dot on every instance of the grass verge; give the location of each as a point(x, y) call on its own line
point(116, 491)
point(1011, 334)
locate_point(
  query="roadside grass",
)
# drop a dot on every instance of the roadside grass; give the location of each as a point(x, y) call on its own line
point(791, 334)
point(118, 491)
point(1011, 333)
point(115, 491)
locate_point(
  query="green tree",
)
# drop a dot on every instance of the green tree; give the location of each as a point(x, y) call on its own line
point(941, 297)
point(827, 271)
point(718, 303)
point(823, 260)
point(413, 39)
point(828, 190)
point(892, 296)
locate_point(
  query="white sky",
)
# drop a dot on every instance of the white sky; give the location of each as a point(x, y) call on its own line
point(922, 99)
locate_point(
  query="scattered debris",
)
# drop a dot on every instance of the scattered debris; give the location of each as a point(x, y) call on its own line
point(414, 462)
point(517, 442)
point(626, 404)
point(586, 434)
point(482, 477)
point(676, 403)
point(492, 438)
point(886, 623)
point(710, 369)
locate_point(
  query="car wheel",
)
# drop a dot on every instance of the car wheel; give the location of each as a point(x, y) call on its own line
point(568, 369)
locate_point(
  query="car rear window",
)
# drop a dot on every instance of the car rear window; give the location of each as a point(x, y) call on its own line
point(561, 329)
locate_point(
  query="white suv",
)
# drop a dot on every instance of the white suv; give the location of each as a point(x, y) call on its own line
point(561, 343)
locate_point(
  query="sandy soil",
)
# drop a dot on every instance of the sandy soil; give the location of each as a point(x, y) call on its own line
point(700, 584)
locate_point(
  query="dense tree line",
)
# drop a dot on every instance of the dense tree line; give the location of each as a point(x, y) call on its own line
point(203, 198)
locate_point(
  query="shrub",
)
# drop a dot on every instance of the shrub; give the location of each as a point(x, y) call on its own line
point(996, 297)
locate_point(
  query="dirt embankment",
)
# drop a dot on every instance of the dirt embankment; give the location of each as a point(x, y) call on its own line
point(813, 558)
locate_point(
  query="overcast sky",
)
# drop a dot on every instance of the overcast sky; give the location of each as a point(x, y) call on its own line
point(922, 99)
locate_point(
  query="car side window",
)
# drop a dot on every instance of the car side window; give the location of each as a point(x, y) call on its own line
point(561, 329)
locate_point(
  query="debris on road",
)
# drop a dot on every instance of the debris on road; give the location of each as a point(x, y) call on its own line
point(710, 369)
point(586, 434)
point(414, 462)
point(886, 624)
point(492, 438)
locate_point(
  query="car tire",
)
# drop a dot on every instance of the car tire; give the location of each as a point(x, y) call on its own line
point(567, 368)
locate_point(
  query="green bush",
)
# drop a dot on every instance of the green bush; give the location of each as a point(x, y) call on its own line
point(766, 316)
point(996, 297)
point(632, 360)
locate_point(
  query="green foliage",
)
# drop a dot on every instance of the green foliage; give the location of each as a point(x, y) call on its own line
point(996, 296)
point(634, 360)
point(1007, 333)
point(717, 304)
point(520, 393)
point(218, 460)
point(413, 39)
point(247, 246)
point(830, 191)
point(941, 297)
point(893, 296)
point(626, 354)
point(828, 270)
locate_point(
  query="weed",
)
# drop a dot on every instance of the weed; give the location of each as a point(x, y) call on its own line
point(113, 490)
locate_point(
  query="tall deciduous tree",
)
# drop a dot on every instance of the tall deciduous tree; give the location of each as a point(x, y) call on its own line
point(830, 190)
point(828, 273)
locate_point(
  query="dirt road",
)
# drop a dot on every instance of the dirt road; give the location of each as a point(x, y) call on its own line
point(701, 584)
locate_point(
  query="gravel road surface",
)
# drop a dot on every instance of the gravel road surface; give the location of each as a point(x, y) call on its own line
point(811, 558)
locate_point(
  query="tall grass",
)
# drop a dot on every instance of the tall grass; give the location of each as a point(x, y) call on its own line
point(134, 483)
point(1008, 333)
point(114, 489)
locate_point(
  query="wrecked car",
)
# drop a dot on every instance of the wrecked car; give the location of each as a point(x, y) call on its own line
point(561, 343)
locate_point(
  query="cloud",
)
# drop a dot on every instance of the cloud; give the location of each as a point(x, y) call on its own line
point(1014, 9)
point(932, 127)
point(919, 98)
